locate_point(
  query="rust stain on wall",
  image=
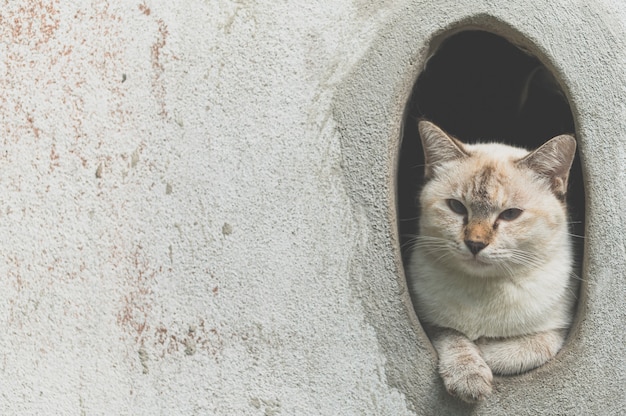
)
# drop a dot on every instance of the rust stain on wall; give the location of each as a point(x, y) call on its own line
point(158, 46)
point(33, 22)
point(142, 323)
point(156, 59)
point(137, 303)
point(31, 123)
point(145, 9)
point(54, 158)
point(157, 64)
point(195, 339)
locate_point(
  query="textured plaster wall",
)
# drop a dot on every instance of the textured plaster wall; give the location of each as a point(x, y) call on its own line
point(196, 207)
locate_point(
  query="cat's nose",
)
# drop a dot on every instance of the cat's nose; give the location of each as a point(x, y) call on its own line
point(475, 246)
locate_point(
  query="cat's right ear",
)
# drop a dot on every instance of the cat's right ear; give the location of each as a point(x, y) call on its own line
point(553, 160)
point(438, 147)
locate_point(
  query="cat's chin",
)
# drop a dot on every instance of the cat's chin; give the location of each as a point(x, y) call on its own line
point(478, 266)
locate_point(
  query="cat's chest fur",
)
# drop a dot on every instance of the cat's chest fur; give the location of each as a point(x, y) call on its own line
point(491, 307)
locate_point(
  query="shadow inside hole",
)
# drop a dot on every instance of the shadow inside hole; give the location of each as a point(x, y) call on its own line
point(480, 87)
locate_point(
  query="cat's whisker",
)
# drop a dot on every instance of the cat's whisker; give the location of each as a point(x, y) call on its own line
point(409, 219)
point(576, 277)
point(429, 248)
point(430, 238)
point(572, 292)
point(511, 273)
point(523, 253)
point(408, 243)
point(527, 258)
point(424, 241)
point(504, 267)
point(576, 235)
point(526, 262)
point(410, 237)
point(443, 256)
point(420, 242)
point(521, 257)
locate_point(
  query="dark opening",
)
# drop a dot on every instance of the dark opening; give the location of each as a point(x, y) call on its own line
point(480, 87)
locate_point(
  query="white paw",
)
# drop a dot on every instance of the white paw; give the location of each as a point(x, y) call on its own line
point(516, 355)
point(466, 376)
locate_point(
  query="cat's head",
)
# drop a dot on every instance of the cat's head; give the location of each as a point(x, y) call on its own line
point(492, 209)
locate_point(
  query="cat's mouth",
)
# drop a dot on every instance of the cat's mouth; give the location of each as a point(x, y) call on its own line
point(478, 260)
point(479, 266)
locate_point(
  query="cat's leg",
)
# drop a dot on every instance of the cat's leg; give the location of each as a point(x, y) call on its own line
point(464, 372)
point(518, 354)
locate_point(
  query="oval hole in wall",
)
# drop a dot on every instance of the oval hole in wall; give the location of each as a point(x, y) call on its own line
point(480, 87)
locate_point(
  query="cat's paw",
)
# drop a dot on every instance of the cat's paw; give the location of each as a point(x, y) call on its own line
point(516, 355)
point(466, 376)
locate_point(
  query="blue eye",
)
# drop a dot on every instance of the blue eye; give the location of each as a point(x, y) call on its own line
point(456, 206)
point(510, 214)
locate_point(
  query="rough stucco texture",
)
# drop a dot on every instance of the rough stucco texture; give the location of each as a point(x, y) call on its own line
point(185, 223)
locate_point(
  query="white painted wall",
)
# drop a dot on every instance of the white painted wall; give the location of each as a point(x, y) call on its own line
point(176, 231)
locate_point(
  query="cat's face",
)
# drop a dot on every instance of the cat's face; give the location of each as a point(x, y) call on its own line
point(490, 209)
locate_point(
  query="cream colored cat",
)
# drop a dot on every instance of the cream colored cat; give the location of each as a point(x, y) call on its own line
point(490, 270)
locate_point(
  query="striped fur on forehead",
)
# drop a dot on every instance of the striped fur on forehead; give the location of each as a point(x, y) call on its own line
point(482, 190)
point(485, 188)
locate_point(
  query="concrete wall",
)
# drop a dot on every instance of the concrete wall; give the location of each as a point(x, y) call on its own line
point(197, 210)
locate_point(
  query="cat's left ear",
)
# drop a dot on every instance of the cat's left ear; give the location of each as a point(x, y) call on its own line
point(438, 147)
point(553, 160)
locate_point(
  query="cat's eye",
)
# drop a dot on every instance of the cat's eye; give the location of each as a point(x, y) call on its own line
point(510, 214)
point(456, 206)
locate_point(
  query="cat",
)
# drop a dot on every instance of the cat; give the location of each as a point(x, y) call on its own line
point(491, 269)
